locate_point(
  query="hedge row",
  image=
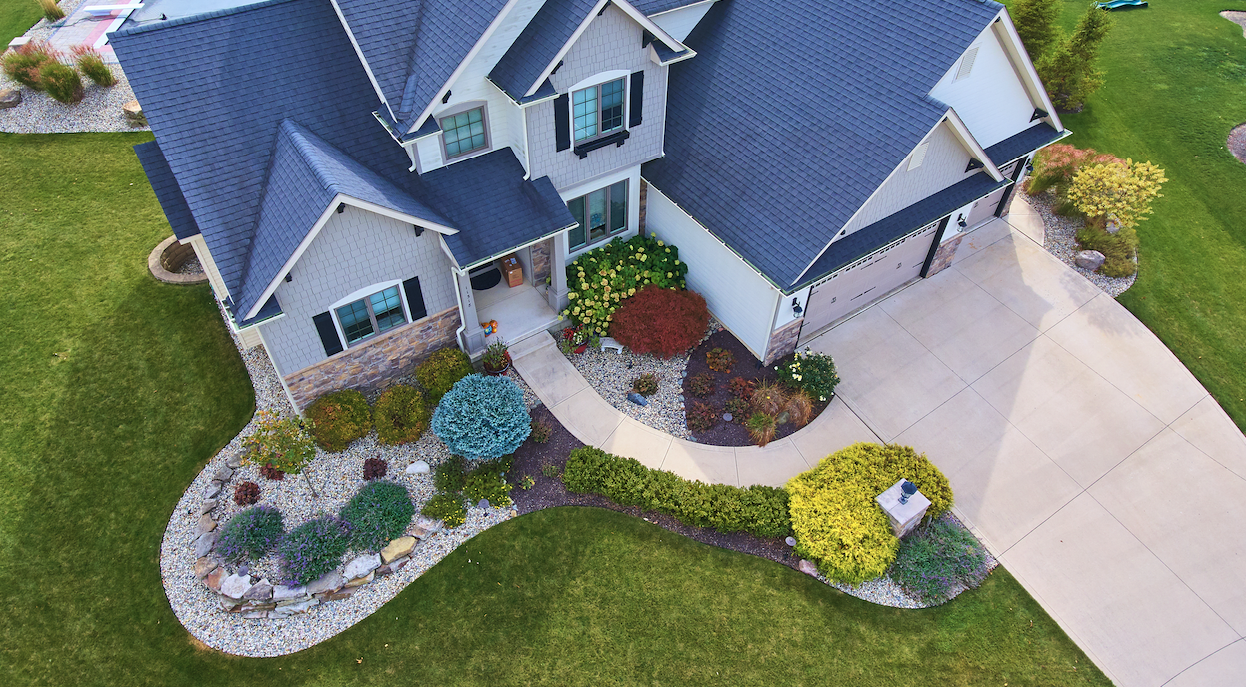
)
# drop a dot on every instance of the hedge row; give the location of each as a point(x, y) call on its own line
point(760, 511)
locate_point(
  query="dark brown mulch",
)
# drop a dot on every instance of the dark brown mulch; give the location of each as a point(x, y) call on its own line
point(747, 366)
point(1237, 139)
point(549, 493)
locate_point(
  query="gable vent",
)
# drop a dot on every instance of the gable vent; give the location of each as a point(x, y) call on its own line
point(919, 154)
point(966, 64)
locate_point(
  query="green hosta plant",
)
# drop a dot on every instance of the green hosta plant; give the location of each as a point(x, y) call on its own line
point(600, 279)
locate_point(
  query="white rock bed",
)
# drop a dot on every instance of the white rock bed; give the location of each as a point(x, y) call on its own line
point(1060, 239)
point(609, 375)
point(335, 477)
point(99, 109)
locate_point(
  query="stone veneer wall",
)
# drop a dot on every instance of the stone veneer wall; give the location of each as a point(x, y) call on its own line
point(943, 257)
point(374, 364)
point(783, 341)
point(540, 261)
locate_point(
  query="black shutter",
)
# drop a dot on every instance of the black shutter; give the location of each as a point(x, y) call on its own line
point(562, 122)
point(415, 298)
point(328, 333)
point(638, 100)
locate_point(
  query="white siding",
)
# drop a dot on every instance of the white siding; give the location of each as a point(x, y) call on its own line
point(681, 21)
point(737, 295)
point(991, 101)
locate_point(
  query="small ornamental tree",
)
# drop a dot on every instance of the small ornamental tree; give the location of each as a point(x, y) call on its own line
point(1119, 191)
point(661, 321)
point(1069, 71)
point(281, 442)
point(482, 417)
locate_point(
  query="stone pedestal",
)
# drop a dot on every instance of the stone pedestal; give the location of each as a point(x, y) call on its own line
point(903, 516)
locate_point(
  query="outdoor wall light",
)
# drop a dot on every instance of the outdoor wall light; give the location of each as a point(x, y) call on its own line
point(960, 221)
point(796, 309)
point(907, 490)
point(419, 231)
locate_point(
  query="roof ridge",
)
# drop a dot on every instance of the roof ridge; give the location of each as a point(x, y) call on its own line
point(304, 142)
point(133, 27)
point(408, 87)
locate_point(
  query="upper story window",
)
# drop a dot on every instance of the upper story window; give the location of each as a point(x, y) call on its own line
point(601, 214)
point(371, 315)
point(598, 109)
point(464, 132)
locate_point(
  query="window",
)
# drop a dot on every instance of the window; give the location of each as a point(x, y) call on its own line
point(375, 314)
point(601, 213)
point(464, 132)
point(598, 109)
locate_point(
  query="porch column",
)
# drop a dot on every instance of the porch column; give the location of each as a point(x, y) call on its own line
point(557, 292)
point(473, 335)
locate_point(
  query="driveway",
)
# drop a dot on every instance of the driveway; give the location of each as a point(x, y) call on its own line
point(1094, 465)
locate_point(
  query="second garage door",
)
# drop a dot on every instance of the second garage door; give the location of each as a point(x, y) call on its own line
point(866, 280)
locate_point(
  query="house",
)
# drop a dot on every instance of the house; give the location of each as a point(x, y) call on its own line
point(350, 172)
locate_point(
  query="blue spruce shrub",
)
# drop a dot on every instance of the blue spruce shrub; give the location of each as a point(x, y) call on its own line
point(482, 417)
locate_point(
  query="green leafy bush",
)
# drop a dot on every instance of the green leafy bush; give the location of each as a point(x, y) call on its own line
point(550, 471)
point(91, 64)
point(448, 477)
point(660, 321)
point(313, 548)
point(338, 418)
point(813, 372)
point(760, 511)
point(837, 523)
point(702, 384)
point(250, 534)
point(22, 65)
point(1118, 249)
point(482, 417)
point(720, 360)
point(646, 384)
point(379, 512)
point(486, 482)
point(281, 442)
point(447, 508)
point(939, 558)
point(401, 415)
point(600, 279)
point(61, 82)
point(439, 373)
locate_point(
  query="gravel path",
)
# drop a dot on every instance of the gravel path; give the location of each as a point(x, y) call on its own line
point(1061, 241)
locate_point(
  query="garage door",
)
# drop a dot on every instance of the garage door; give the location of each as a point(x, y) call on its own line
point(866, 280)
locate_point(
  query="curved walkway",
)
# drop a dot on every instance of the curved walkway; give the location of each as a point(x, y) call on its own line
point(1091, 462)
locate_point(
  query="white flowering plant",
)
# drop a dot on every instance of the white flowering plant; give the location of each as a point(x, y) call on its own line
point(597, 281)
point(813, 372)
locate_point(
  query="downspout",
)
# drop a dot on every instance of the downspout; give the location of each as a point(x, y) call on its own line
point(455, 273)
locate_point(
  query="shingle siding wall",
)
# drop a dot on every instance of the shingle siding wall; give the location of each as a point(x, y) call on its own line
point(355, 249)
point(612, 41)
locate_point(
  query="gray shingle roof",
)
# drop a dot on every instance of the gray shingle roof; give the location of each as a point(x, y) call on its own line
point(413, 46)
point(1023, 143)
point(652, 7)
point(167, 191)
point(774, 150)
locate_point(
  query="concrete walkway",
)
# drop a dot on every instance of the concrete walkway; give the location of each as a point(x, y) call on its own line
point(1080, 449)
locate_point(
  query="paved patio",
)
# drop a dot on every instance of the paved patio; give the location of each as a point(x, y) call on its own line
point(1080, 449)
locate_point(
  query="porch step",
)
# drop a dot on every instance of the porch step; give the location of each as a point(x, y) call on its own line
point(537, 341)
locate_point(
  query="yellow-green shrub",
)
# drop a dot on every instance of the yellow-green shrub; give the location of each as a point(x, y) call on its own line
point(835, 519)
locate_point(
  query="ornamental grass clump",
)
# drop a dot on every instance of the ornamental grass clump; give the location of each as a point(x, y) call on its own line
point(313, 548)
point(661, 321)
point(769, 398)
point(338, 418)
point(22, 65)
point(61, 82)
point(401, 415)
point(441, 371)
point(378, 513)
point(813, 372)
point(250, 535)
point(482, 417)
point(541, 431)
point(91, 64)
point(938, 559)
point(281, 442)
point(600, 279)
point(761, 428)
point(51, 11)
point(836, 521)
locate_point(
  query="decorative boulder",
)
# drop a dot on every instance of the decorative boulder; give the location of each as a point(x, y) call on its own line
point(134, 114)
point(10, 98)
point(419, 467)
point(1090, 259)
point(235, 586)
point(398, 548)
point(362, 566)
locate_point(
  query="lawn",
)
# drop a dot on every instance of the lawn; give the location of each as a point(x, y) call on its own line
point(117, 390)
point(1175, 86)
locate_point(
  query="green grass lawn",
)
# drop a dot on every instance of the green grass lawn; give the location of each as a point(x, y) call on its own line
point(118, 388)
point(1175, 86)
point(16, 18)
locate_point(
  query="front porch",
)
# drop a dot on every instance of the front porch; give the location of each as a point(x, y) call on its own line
point(528, 308)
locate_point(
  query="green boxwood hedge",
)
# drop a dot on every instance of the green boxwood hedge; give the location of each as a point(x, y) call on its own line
point(760, 511)
point(837, 523)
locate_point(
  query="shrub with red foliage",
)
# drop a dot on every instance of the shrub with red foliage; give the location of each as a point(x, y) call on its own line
point(701, 416)
point(741, 388)
point(661, 321)
point(374, 468)
point(246, 493)
point(272, 473)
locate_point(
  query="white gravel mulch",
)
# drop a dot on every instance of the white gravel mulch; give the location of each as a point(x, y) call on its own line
point(1061, 241)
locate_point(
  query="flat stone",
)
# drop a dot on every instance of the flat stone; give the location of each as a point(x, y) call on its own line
point(257, 606)
point(205, 565)
point(361, 581)
point(235, 461)
point(338, 595)
point(224, 474)
point(9, 98)
point(383, 571)
point(262, 591)
point(235, 586)
point(637, 398)
point(399, 564)
point(206, 524)
point(212, 490)
point(428, 525)
point(807, 567)
point(214, 578)
point(419, 467)
point(329, 582)
point(207, 506)
point(362, 566)
point(398, 548)
point(254, 615)
point(229, 605)
point(1090, 259)
point(301, 607)
point(204, 544)
point(284, 593)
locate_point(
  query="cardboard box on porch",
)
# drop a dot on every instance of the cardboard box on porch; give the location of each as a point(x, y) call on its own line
point(513, 270)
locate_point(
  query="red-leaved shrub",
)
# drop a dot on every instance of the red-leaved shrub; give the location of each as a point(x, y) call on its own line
point(661, 321)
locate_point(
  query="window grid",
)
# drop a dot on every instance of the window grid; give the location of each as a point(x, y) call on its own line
point(601, 214)
point(598, 109)
point(464, 132)
point(374, 314)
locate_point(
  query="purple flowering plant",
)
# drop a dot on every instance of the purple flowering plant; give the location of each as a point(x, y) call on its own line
point(939, 559)
point(313, 548)
point(250, 534)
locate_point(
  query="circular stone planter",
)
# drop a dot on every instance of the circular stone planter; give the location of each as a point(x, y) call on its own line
point(1237, 139)
point(168, 258)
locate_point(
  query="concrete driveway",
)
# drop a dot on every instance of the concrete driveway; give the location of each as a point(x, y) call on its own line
point(1089, 459)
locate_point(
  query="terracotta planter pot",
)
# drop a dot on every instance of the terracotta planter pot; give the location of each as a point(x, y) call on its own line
point(506, 365)
point(581, 348)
